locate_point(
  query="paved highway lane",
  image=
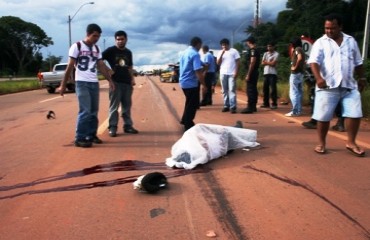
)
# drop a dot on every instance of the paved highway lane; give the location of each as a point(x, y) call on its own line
point(50, 189)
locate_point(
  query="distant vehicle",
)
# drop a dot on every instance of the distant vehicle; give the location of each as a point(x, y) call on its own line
point(149, 73)
point(171, 75)
point(51, 80)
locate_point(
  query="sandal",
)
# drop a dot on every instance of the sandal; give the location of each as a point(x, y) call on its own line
point(320, 149)
point(356, 151)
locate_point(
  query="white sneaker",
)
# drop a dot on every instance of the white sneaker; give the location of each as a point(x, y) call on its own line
point(291, 114)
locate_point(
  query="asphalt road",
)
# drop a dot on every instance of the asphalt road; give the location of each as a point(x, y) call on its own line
point(50, 189)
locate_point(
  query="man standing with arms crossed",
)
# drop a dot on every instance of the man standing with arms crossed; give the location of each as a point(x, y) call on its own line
point(85, 56)
point(191, 74)
point(334, 59)
point(120, 60)
point(269, 61)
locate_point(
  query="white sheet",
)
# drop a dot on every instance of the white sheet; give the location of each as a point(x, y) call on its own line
point(205, 142)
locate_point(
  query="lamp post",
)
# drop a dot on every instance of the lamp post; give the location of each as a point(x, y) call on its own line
point(365, 44)
point(70, 20)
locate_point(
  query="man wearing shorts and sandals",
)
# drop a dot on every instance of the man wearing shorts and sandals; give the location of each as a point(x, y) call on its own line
point(334, 59)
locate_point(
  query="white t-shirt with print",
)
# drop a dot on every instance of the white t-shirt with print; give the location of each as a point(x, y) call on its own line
point(86, 61)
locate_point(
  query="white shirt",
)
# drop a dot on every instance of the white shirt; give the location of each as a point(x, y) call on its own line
point(86, 61)
point(269, 57)
point(337, 63)
point(228, 64)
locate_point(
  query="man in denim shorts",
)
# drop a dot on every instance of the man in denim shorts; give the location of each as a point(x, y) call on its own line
point(334, 59)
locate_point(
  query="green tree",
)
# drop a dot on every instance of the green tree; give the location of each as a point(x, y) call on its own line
point(49, 62)
point(305, 17)
point(20, 42)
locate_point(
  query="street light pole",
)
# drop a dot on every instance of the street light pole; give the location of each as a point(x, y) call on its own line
point(70, 21)
point(365, 44)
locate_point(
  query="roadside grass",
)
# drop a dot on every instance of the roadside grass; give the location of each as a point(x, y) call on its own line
point(13, 86)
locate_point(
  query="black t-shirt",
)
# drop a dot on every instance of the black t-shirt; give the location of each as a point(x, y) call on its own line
point(120, 61)
point(253, 52)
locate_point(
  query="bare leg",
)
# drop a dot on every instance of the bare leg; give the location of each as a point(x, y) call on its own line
point(322, 131)
point(352, 126)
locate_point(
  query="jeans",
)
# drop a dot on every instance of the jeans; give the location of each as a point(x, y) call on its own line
point(121, 95)
point(229, 90)
point(88, 102)
point(296, 92)
point(270, 83)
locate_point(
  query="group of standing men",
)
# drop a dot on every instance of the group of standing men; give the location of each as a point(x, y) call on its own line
point(335, 59)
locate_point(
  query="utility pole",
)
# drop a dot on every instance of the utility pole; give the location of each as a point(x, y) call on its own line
point(257, 13)
point(365, 44)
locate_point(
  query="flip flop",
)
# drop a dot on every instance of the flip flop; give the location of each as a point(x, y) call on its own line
point(356, 151)
point(320, 149)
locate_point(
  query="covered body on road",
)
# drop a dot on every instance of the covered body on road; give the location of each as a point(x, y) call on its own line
point(205, 142)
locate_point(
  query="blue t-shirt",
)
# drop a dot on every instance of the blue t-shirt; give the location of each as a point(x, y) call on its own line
point(189, 63)
point(209, 59)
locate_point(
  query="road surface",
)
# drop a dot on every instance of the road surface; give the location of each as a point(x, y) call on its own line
point(50, 189)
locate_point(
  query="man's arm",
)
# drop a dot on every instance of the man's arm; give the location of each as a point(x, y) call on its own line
point(131, 71)
point(106, 73)
point(315, 68)
point(250, 69)
point(299, 60)
point(200, 76)
point(237, 64)
point(219, 59)
point(274, 61)
point(362, 82)
point(67, 74)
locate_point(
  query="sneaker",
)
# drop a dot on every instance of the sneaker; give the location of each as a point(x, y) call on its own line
point(83, 143)
point(338, 128)
point(131, 130)
point(291, 114)
point(112, 132)
point(247, 111)
point(96, 140)
point(225, 109)
point(310, 124)
point(233, 110)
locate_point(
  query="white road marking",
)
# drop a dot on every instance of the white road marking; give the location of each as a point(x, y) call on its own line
point(51, 99)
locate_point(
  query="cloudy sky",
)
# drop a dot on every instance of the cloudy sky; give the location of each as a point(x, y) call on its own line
point(157, 29)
